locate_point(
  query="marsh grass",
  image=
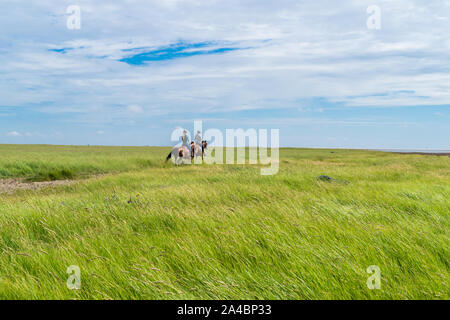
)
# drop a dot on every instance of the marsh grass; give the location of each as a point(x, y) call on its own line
point(148, 230)
point(47, 162)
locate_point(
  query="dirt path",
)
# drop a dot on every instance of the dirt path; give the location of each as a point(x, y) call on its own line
point(11, 185)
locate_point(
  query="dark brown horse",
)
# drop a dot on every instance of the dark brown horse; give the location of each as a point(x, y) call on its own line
point(199, 150)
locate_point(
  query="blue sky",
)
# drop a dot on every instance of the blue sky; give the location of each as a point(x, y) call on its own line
point(137, 70)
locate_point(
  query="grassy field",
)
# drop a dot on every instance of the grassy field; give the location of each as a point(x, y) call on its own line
point(142, 229)
point(45, 162)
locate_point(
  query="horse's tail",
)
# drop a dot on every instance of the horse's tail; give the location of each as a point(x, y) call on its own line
point(169, 156)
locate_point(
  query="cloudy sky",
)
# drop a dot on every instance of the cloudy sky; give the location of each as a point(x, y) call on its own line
point(138, 69)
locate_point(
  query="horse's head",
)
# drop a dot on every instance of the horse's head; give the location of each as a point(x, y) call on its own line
point(204, 144)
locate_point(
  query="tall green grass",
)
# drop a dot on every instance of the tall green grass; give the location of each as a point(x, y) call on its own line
point(225, 231)
point(47, 162)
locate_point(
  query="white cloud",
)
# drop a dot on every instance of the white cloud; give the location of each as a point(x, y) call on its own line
point(13, 134)
point(293, 50)
point(135, 109)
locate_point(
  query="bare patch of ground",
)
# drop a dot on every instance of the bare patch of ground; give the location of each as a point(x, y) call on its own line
point(11, 185)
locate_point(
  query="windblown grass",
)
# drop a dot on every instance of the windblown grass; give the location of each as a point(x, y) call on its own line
point(47, 162)
point(153, 231)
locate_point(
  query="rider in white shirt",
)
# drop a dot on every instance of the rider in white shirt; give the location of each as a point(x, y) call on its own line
point(198, 138)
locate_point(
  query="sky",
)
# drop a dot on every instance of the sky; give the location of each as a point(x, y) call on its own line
point(138, 69)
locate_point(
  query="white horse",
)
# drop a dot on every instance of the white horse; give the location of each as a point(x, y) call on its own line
point(179, 155)
point(184, 153)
